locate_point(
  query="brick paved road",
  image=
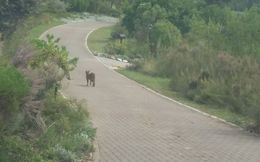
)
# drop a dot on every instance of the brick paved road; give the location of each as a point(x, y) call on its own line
point(136, 125)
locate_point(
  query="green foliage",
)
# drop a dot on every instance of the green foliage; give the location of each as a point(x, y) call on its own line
point(219, 27)
point(223, 80)
point(68, 136)
point(241, 5)
point(234, 32)
point(31, 28)
point(161, 85)
point(137, 49)
point(181, 12)
point(77, 5)
point(140, 17)
point(56, 6)
point(218, 79)
point(108, 7)
point(11, 12)
point(163, 35)
point(216, 14)
point(14, 148)
point(53, 60)
point(116, 48)
point(143, 13)
point(13, 87)
point(68, 130)
point(243, 31)
point(215, 63)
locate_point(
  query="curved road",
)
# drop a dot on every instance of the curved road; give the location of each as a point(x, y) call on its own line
point(134, 124)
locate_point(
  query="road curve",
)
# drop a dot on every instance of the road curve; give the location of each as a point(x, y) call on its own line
point(134, 124)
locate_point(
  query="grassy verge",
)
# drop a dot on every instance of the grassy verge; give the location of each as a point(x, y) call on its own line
point(99, 38)
point(38, 30)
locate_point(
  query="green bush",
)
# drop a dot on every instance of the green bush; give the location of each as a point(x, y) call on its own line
point(56, 6)
point(103, 7)
point(219, 79)
point(137, 49)
point(67, 137)
point(68, 130)
point(115, 48)
point(23, 31)
point(13, 87)
point(14, 148)
point(77, 5)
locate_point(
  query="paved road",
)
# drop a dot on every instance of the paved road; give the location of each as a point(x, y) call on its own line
point(135, 125)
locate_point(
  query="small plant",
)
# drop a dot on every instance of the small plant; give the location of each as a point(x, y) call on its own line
point(65, 155)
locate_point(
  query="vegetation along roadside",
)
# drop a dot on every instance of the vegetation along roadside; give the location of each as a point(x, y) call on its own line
point(204, 54)
point(36, 122)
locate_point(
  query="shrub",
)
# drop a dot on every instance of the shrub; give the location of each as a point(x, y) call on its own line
point(77, 5)
point(13, 87)
point(219, 79)
point(68, 130)
point(56, 6)
point(116, 48)
point(14, 148)
point(103, 7)
point(137, 49)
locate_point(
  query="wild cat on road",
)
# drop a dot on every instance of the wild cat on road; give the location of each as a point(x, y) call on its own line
point(90, 77)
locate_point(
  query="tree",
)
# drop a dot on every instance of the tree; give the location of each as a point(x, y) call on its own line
point(146, 12)
point(163, 34)
point(241, 5)
point(141, 17)
point(11, 12)
point(181, 12)
point(216, 14)
point(52, 60)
